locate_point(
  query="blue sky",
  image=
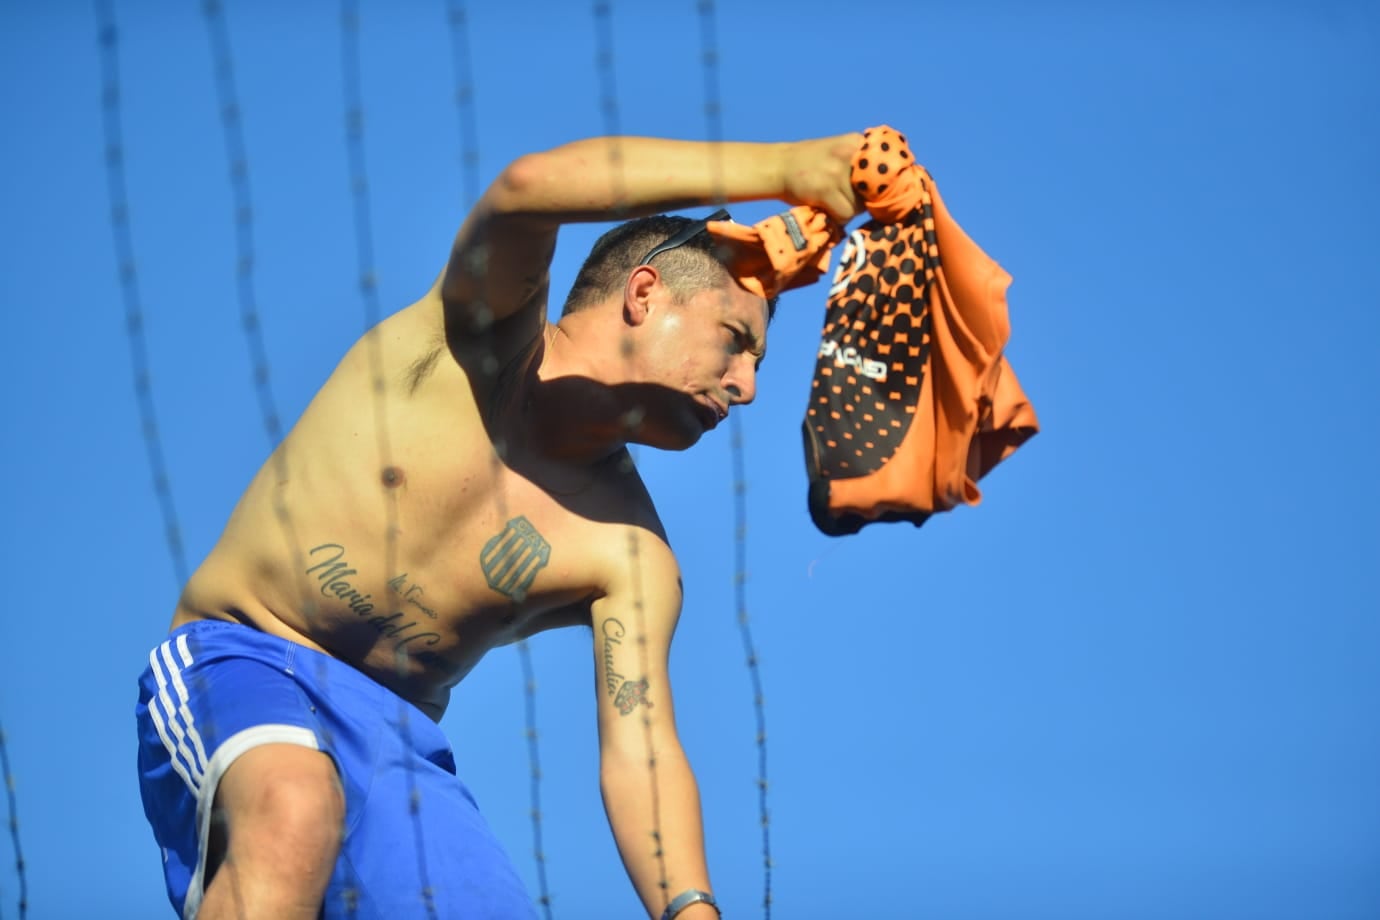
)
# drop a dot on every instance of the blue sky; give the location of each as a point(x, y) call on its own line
point(1139, 681)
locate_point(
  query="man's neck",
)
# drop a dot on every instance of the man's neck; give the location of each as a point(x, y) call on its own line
point(570, 413)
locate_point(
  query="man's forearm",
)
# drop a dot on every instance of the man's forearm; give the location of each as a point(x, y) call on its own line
point(671, 818)
point(632, 176)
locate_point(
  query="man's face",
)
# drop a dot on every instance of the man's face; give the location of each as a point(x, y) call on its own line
point(703, 356)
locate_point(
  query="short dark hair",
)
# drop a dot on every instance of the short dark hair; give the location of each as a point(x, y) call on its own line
point(697, 264)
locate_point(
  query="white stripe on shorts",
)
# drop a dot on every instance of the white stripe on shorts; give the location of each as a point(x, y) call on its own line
point(188, 722)
point(172, 750)
point(167, 721)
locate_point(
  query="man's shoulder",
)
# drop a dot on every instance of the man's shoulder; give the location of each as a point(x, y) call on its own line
point(627, 510)
point(622, 481)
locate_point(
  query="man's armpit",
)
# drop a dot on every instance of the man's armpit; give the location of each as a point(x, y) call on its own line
point(501, 273)
point(532, 289)
point(420, 369)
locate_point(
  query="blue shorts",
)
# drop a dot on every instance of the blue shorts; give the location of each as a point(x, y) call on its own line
point(214, 690)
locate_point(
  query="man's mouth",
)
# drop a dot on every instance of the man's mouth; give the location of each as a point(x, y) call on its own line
point(710, 412)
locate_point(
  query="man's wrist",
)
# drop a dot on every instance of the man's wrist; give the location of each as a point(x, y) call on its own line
point(686, 899)
point(779, 162)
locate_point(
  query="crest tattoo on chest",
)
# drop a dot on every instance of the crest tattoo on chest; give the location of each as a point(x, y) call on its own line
point(512, 558)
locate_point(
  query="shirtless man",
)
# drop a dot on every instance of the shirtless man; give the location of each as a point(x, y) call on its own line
point(461, 481)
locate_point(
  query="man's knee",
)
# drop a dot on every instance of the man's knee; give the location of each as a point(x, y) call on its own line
point(283, 811)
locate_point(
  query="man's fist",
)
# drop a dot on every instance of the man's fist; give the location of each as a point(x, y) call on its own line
point(817, 173)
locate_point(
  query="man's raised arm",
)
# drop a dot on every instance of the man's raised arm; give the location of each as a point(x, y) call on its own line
point(650, 794)
point(498, 263)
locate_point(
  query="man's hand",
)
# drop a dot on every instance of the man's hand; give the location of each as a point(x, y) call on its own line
point(818, 172)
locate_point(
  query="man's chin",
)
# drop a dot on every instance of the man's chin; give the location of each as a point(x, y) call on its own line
point(679, 445)
point(681, 438)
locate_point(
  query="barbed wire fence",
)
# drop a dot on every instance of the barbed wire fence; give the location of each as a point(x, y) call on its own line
point(252, 326)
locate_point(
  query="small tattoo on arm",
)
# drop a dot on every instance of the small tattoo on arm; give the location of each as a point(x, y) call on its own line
point(630, 694)
point(512, 559)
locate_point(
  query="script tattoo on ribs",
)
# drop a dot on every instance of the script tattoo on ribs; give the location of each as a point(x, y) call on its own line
point(411, 593)
point(512, 559)
point(626, 693)
point(332, 570)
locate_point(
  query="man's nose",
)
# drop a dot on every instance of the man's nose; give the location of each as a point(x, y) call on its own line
point(742, 384)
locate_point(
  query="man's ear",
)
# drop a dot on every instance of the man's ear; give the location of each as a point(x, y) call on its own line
point(637, 294)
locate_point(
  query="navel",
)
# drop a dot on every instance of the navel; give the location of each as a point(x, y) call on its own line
point(393, 477)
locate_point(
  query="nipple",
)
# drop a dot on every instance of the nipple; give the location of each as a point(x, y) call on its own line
point(392, 477)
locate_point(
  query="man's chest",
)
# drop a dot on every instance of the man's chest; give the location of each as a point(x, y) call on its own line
point(481, 538)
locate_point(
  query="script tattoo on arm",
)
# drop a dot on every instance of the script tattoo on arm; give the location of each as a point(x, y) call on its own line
point(336, 578)
point(627, 694)
point(512, 558)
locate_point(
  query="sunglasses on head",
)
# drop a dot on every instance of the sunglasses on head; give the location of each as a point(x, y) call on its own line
point(684, 236)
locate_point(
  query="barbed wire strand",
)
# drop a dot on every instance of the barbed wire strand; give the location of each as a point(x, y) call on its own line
point(608, 98)
point(713, 116)
point(368, 285)
point(251, 323)
point(108, 36)
point(129, 284)
point(231, 117)
point(530, 682)
point(608, 105)
point(237, 159)
point(14, 828)
point(461, 61)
